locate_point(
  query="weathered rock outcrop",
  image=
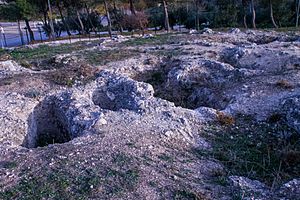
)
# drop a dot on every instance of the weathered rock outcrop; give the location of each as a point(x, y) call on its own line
point(291, 110)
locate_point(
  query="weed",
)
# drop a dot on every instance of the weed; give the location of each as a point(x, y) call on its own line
point(166, 157)
point(121, 159)
point(284, 84)
point(225, 119)
point(4, 55)
point(25, 64)
point(8, 165)
point(187, 195)
point(6, 81)
point(87, 181)
point(152, 184)
point(131, 144)
point(32, 93)
point(2, 51)
point(222, 180)
point(275, 117)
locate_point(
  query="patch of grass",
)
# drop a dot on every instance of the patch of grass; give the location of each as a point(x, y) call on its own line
point(105, 56)
point(55, 184)
point(81, 178)
point(35, 188)
point(156, 40)
point(25, 64)
point(41, 52)
point(2, 51)
point(117, 181)
point(166, 157)
point(87, 181)
point(169, 53)
point(255, 150)
point(222, 180)
point(32, 93)
point(8, 164)
point(187, 195)
point(121, 159)
point(4, 55)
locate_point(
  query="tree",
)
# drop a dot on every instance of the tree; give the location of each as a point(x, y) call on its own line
point(52, 35)
point(166, 14)
point(12, 12)
point(132, 8)
point(23, 10)
point(271, 14)
point(108, 18)
point(67, 28)
point(75, 6)
point(245, 5)
point(297, 13)
point(253, 14)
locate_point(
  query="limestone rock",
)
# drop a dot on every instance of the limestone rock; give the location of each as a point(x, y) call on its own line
point(291, 108)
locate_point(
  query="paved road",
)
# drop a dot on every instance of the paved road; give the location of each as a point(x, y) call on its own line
point(12, 35)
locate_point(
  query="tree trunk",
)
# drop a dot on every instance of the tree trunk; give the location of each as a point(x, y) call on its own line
point(80, 22)
point(253, 14)
point(245, 21)
point(272, 15)
point(197, 15)
point(75, 22)
point(298, 13)
point(132, 9)
point(63, 19)
point(108, 18)
point(20, 32)
point(167, 23)
point(31, 35)
point(52, 34)
point(45, 18)
point(244, 4)
point(117, 18)
point(89, 17)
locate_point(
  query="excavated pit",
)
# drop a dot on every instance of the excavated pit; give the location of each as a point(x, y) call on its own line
point(47, 125)
point(191, 97)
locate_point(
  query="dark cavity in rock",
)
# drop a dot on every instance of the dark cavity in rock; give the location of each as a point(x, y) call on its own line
point(191, 97)
point(47, 125)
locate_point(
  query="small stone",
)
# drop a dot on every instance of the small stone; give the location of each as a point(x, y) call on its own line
point(102, 121)
point(169, 133)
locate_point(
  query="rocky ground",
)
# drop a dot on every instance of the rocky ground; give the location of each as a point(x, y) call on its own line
point(211, 115)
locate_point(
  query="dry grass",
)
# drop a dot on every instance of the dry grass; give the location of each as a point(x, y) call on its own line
point(225, 119)
point(69, 75)
point(284, 84)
